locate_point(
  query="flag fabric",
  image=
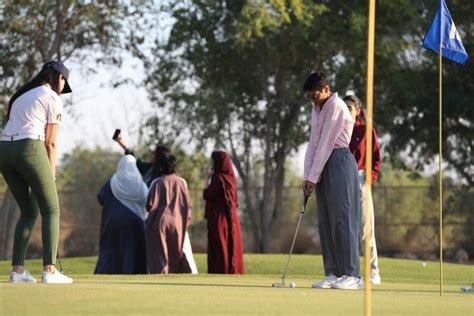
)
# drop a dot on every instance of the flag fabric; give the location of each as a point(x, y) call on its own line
point(444, 30)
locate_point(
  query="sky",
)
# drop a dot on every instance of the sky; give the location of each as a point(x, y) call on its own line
point(95, 110)
point(98, 109)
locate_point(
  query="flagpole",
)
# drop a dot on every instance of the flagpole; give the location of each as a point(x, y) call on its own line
point(368, 155)
point(440, 162)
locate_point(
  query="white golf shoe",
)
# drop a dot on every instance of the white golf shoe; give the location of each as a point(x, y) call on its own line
point(375, 279)
point(326, 283)
point(349, 283)
point(55, 277)
point(24, 277)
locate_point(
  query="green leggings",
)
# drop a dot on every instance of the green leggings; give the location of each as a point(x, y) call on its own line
point(25, 167)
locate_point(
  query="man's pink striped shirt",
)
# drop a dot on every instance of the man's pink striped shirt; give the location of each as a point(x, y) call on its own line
point(331, 127)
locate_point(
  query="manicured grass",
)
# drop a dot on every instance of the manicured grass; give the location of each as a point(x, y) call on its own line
point(408, 288)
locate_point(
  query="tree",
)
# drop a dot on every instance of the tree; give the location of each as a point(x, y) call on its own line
point(408, 93)
point(34, 32)
point(232, 85)
point(83, 173)
point(232, 70)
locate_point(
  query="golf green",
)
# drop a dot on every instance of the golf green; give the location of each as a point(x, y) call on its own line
point(408, 287)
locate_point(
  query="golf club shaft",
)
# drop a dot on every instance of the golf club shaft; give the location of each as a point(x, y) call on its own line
point(60, 265)
point(294, 237)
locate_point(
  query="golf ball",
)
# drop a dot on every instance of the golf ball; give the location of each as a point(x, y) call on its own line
point(423, 264)
point(292, 284)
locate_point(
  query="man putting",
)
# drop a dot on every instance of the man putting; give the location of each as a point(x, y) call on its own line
point(330, 168)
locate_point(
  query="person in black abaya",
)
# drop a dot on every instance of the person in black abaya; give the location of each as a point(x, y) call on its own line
point(122, 230)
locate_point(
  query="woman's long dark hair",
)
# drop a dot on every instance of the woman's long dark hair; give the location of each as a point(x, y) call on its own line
point(46, 75)
point(356, 104)
point(165, 162)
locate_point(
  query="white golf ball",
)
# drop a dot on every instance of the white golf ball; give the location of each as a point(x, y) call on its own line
point(292, 284)
point(423, 264)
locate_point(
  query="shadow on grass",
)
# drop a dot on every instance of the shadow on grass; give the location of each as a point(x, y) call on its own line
point(262, 286)
point(181, 284)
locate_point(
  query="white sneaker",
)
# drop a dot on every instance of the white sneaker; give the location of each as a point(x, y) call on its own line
point(55, 277)
point(349, 283)
point(326, 283)
point(375, 279)
point(24, 277)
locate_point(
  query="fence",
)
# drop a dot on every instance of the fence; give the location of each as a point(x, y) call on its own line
point(406, 221)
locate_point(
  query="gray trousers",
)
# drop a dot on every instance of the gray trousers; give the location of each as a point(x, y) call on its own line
point(338, 204)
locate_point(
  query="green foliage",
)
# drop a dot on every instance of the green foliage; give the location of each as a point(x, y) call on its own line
point(458, 209)
point(406, 81)
point(83, 172)
point(191, 167)
point(86, 169)
point(231, 72)
point(33, 32)
point(238, 83)
point(407, 213)
point(259, 18)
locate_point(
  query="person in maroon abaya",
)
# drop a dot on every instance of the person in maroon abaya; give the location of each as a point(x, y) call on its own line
point(225, 250)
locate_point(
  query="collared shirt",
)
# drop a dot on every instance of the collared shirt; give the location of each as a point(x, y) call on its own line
point(32, 110)
point(331, 127)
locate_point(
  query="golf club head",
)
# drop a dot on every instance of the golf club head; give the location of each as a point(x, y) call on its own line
point(280, 284)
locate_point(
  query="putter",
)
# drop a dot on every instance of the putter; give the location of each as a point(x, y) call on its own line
point(282, 283)
point(60, 265)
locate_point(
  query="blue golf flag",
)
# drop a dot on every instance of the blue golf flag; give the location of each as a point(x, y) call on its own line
point(443, 30)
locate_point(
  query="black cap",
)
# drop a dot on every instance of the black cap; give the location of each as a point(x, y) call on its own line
point(59, 67)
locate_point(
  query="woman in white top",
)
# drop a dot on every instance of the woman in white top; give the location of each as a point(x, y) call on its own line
point(28, 164)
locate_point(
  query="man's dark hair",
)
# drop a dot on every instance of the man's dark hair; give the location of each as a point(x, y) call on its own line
point(315, 81)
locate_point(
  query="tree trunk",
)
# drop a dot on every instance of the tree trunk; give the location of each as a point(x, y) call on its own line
point(9, 218)
point(250, 210)
point(265, 204)
point(242, 163)
point(279, 185)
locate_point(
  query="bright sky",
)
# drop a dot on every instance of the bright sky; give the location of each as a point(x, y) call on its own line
point(98, 109)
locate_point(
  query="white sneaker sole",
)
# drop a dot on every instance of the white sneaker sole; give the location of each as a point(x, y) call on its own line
point(376, 281)
point(57, 282)
point(323, 286)
point(22, 282)
point(351, 287)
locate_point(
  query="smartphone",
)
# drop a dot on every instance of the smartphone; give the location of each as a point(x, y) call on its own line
point(116, 134)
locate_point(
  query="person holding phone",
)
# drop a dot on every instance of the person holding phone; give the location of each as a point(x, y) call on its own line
point(28, 164)
point(146, 168)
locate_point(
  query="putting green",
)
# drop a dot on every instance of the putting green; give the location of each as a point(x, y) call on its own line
point(408, 287)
